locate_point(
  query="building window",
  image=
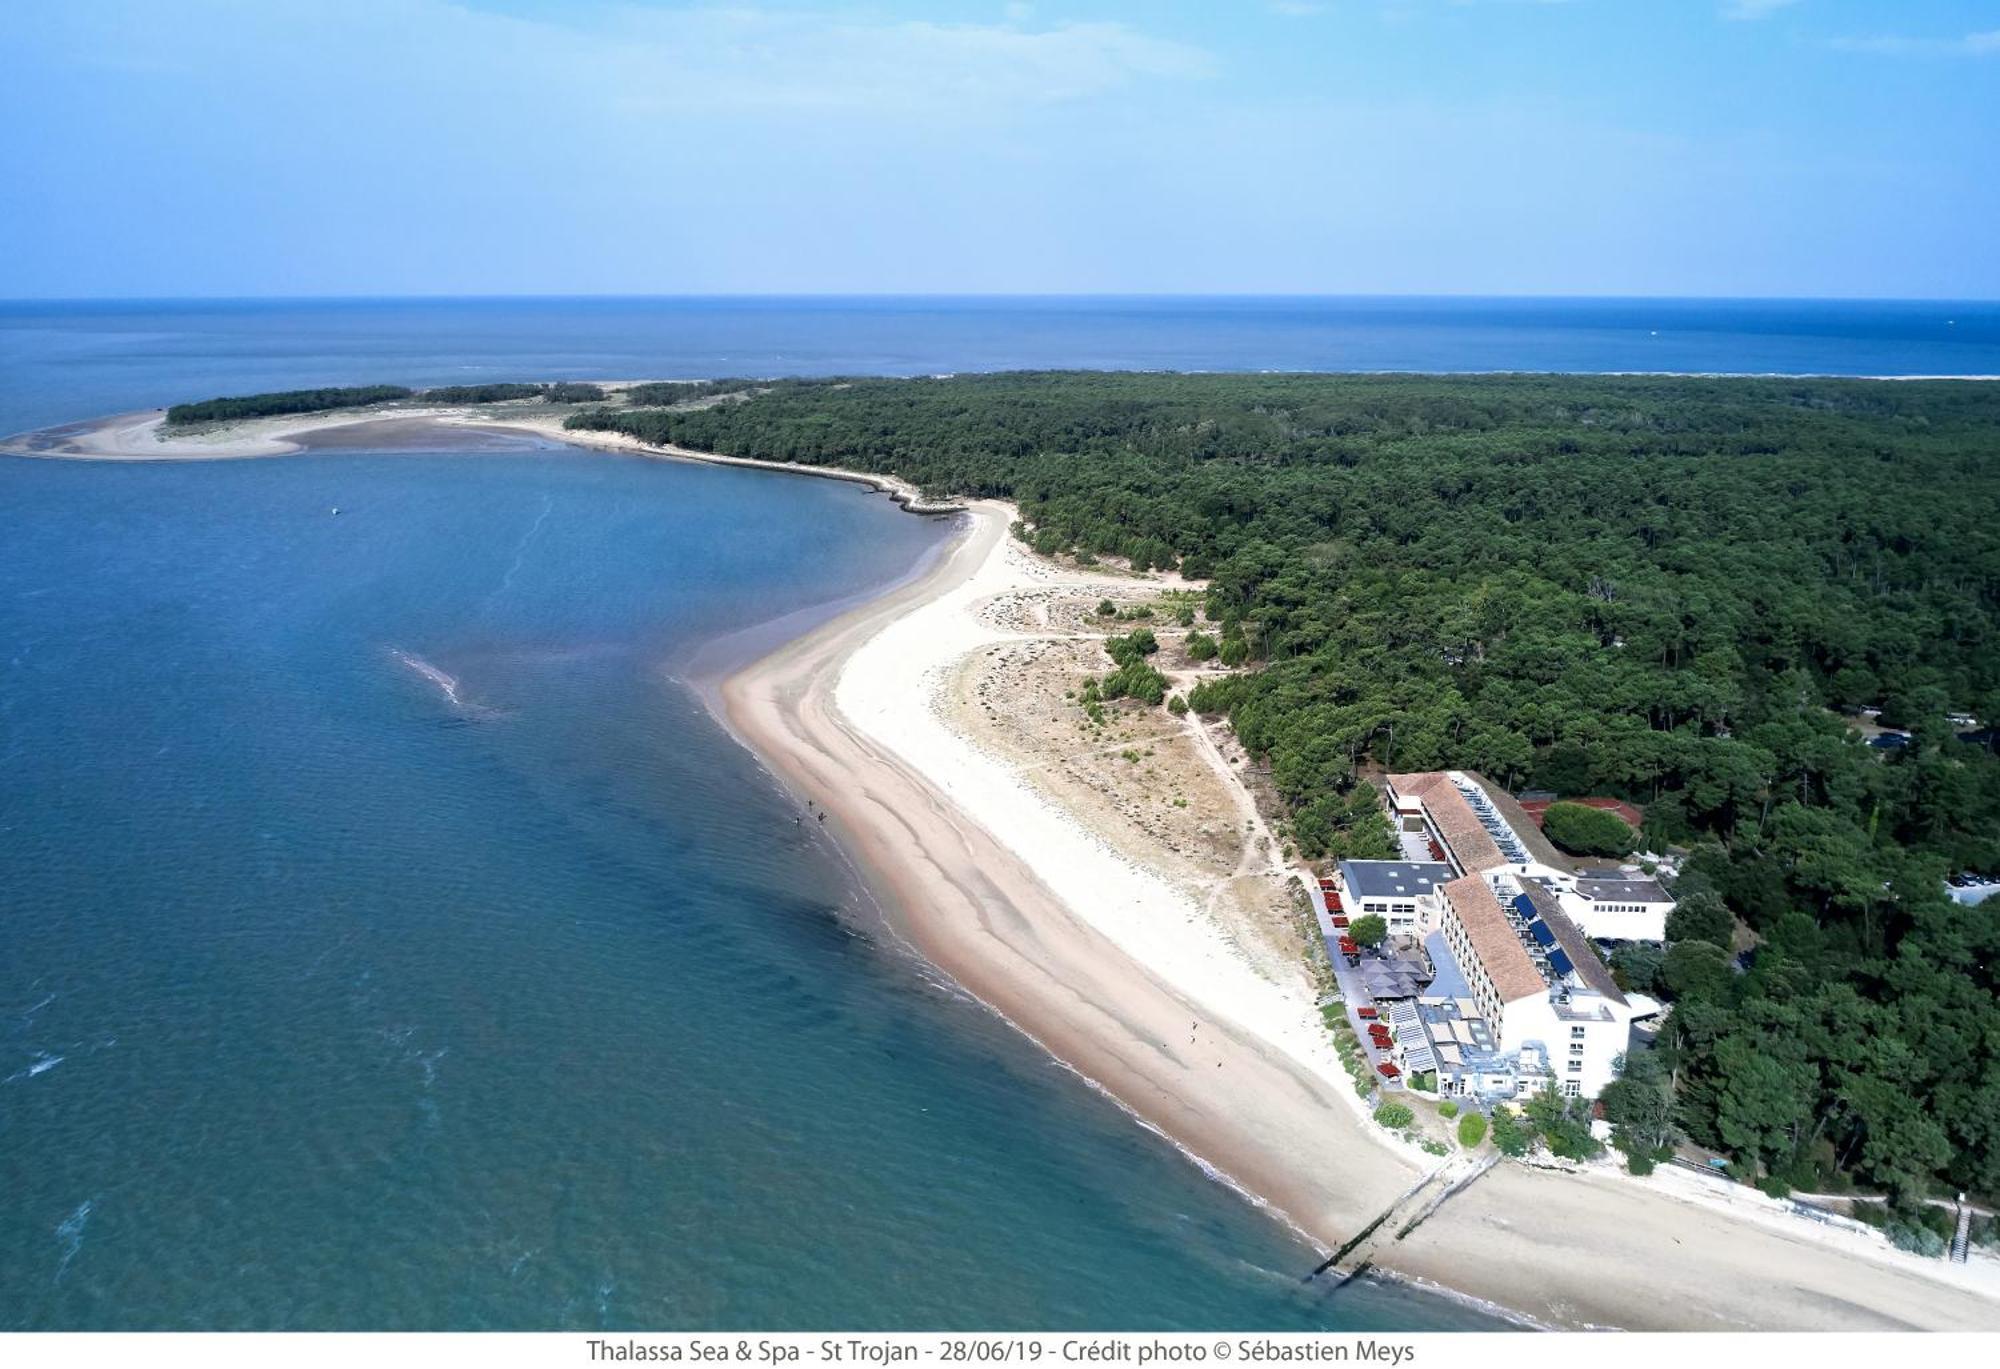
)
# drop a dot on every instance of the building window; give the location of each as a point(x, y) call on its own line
point(1576, 1033)
point(1576, 1067)
point(1572, 1088)
point(1576, 1048)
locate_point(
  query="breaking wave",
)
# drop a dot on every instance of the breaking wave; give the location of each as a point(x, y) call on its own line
point(447, 685)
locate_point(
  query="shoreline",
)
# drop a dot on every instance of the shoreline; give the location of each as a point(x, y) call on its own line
point(137, 436)
point(937, 831)
point(999, 929)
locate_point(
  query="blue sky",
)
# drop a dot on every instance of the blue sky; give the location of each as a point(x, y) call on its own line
point(1658, 147)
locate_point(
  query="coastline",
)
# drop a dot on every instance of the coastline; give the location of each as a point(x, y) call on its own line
point(1572, 1251)
point(138, 436)
point(1005, 893)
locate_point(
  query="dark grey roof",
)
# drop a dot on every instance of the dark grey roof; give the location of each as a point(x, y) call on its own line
point(1581, 954)
point(1393, 878)
point(1637, 890)
point(1388, 979)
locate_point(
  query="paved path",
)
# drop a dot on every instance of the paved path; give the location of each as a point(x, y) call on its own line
point(1352, 994)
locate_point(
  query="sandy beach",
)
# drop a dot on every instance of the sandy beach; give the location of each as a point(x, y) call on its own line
point(1114, 974)
point(1109, 962)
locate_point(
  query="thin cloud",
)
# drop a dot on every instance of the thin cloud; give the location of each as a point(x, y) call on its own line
point(749, 58)
point(1754, 9)
point(1986, 44)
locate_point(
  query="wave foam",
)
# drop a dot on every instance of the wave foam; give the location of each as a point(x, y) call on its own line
point(447, 685)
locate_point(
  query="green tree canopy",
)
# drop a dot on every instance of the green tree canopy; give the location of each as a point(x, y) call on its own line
point(1585, 831)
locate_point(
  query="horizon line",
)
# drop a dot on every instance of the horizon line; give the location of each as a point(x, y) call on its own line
point(997, 297)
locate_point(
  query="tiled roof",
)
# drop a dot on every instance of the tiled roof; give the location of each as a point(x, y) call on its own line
point(1417, 783)
point(1453, 817)
point(1499, 951)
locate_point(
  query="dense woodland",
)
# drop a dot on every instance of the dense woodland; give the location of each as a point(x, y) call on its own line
point(232, 408)
point(494, 392)
point(239, 407)
point(1663, 589)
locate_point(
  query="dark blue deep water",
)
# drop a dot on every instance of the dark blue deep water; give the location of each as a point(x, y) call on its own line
point(60, 362)
point(388, 937)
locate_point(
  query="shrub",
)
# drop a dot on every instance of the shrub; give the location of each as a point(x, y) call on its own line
point(1918, 1240)
point(1177, 706)
point(1636, 966)
point(1235, 651)
point(1137, 643)
point(1508, 1134)
point(1395, 1116)
point(1563, 1124)
point(1472, 1130)
point(1137, 680)
point(1200, 646)
point(1106, 609)
point(1588, 831)
point(1447, 1109)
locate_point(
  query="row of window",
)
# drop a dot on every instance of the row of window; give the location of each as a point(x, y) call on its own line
point(1482, 984)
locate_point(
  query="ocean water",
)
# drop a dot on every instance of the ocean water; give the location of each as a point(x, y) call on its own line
point(389, 938)
point(64, 361)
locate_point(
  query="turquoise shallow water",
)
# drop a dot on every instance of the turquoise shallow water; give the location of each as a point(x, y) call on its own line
point(392, 941)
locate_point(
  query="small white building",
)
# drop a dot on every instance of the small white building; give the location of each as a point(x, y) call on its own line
point(1615, 908)
point(1403, 893)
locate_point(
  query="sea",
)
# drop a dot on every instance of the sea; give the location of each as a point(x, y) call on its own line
point(389, 937)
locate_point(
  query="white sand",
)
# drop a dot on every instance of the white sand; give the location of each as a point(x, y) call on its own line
point(1595, 1249)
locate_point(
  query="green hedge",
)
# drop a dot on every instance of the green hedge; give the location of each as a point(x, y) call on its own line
point(1585, 831)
